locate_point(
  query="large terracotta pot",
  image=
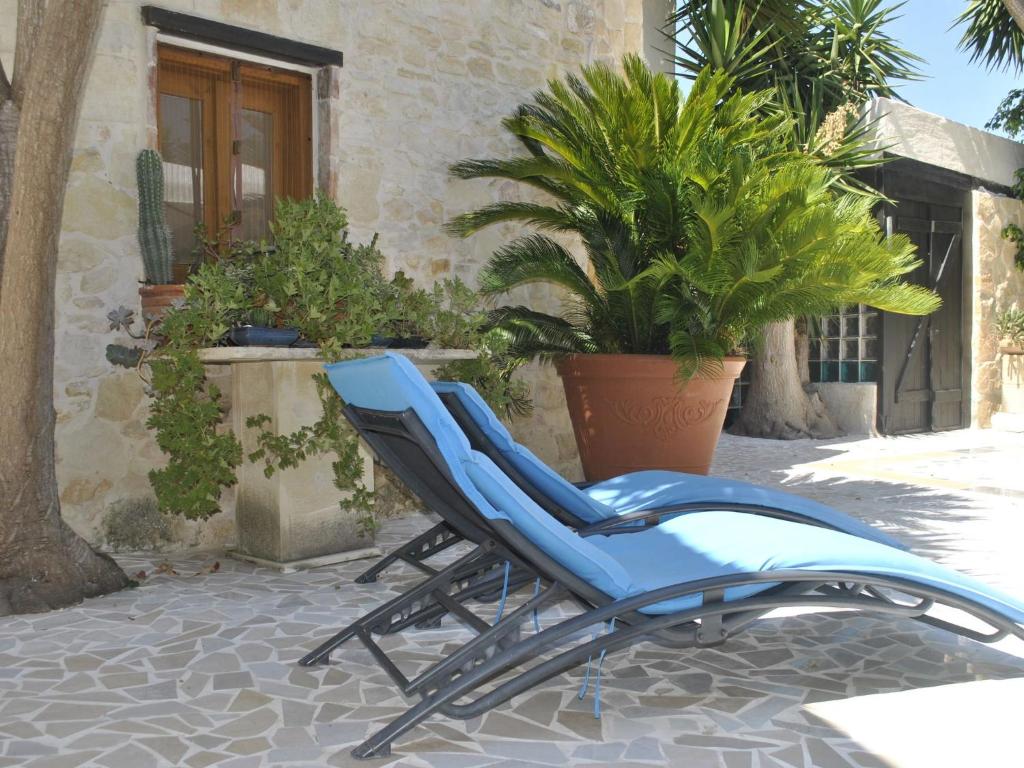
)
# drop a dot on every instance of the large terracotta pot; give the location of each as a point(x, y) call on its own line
point(157, 299)
point(632, 412)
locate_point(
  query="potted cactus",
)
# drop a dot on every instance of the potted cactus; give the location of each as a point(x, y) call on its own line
point(159, 291)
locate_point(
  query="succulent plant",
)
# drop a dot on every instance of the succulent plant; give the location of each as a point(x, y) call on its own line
point(154, 234)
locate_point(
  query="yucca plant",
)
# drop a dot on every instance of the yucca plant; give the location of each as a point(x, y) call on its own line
point(699, 223)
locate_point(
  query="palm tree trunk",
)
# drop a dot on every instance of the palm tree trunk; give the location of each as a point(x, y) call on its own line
point(43, 563)
point(776, 404)
point(1016, 10)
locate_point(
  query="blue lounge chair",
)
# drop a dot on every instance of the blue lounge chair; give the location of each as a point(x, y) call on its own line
point(637, 498)
point(694, 580)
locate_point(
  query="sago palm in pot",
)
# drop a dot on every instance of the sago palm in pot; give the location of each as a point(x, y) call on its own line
point(698, 226)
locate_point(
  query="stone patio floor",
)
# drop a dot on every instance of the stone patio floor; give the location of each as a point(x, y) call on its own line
point(197, 667)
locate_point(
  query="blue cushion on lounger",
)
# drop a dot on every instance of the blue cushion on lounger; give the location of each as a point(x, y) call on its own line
point(639, 491)
point(389, 382)
point(547, 481)
point(709, 544)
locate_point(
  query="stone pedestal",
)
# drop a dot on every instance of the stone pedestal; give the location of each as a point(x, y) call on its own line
point(292, 519)
point(1011, 363)
point(853, 406)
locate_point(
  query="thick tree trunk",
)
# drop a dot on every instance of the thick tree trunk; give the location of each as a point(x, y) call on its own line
point(43, 563)
point(1016, 10)
point(776, 404)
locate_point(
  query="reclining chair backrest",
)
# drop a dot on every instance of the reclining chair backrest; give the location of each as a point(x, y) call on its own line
point(390, 383)
point(549, 489)
point(552, 492)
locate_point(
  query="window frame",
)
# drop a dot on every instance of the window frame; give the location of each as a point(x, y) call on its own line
point(219, 192)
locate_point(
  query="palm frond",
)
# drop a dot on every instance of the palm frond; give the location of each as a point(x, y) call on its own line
point(699, 218)
point(991, 35)
point(531, 334)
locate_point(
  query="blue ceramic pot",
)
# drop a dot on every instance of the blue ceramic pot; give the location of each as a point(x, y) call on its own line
point(260, 336)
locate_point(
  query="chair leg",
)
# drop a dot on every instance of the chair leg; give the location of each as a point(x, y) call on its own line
point(414, 552)
point(394, 611)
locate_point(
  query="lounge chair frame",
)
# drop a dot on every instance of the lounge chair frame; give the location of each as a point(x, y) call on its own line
point(499, 649)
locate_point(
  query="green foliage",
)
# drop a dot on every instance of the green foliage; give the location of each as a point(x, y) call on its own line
point(333, 291)
point(409, 311)
point(329, 434)
point(1015, 235)
point(816, 57)
point(154, 234)
point(699, 222)
point(991, 35)
point(1010, 325)
point(316, 281)
point(186, 413)
point(123, 355)
point(1009, 116)
point(994, 38)
point(458, 319)
point(491, 373)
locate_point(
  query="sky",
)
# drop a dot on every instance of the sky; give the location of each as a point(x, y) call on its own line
point(954, 88)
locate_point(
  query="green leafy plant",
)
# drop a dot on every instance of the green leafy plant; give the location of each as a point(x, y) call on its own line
point(699, 223)
point(1015, 235)
point(313, 279)
point(492, 374)
point(991, 35)
point(186, 413)
point(1010, 325)
point(409, 310)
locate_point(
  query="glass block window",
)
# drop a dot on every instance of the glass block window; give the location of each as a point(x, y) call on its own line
point(739, 392)
point(846, 346)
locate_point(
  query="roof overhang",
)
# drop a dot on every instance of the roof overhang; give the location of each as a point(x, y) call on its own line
point(905, 131)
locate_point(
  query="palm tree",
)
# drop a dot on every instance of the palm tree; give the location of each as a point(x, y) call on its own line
point(820, 59)
point(700, 225)
point(994, 34)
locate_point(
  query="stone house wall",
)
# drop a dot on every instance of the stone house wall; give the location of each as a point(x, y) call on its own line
point(997, 285)
point(425, 83)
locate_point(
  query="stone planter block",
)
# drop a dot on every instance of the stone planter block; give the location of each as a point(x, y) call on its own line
point(293, 519)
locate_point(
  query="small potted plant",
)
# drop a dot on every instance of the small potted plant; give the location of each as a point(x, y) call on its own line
point(159, 292)
point(698, 226)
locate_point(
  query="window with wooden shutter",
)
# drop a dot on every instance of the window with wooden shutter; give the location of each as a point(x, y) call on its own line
point(234, 136)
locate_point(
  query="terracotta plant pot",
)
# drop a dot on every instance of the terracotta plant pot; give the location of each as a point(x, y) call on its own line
point(632, 412)
point(157, 299)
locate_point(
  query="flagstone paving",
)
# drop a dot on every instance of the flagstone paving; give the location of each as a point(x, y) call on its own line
point(197, 667)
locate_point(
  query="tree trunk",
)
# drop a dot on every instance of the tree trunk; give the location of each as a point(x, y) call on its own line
point(1016, 10)
point(43, 563)
point(776, 404)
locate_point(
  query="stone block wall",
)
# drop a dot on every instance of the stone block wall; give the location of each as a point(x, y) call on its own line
point(997, 285)
point(425, 83)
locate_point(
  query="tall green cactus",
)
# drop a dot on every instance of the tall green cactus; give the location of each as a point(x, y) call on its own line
point(154, 234)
